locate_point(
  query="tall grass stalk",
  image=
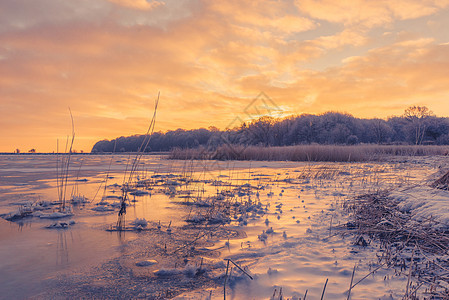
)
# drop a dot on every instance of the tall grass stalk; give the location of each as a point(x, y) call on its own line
point(134, 166)
point(63, 165)
point(145, 143)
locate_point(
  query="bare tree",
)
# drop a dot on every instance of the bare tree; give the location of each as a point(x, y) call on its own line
point(417, 116)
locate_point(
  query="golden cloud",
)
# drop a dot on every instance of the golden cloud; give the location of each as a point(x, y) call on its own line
point(208, 64)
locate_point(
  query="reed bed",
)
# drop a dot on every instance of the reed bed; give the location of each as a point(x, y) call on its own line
point(334, 153)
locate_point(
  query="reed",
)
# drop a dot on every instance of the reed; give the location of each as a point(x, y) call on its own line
point(134, 167)
point(62, 167)
point(334, 153)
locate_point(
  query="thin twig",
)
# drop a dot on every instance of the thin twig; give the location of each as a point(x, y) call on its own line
point(226, 279)
point(350, 285)
point(409, 273)
point(228, 259)
point(324, 288)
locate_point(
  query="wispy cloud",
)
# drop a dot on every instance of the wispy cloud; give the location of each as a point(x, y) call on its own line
point(138, 4)
point(369, 13)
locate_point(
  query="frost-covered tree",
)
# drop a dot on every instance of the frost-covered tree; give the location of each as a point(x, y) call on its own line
point(380, 129)
point(417, 116)
point(415, 126)
point(259, 130)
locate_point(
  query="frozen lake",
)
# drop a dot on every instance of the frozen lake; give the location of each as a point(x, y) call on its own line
point(290, 242)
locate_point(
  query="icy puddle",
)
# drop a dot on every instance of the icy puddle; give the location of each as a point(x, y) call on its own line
point(276, 220)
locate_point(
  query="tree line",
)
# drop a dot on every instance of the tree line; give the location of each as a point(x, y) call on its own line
point(417, 126)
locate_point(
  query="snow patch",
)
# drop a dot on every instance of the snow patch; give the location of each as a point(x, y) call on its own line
point(146, 263)
point(424, 202)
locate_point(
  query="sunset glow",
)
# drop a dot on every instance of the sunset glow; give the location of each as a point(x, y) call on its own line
point(107, 61)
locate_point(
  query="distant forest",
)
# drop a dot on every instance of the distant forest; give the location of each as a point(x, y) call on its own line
point(417, 126)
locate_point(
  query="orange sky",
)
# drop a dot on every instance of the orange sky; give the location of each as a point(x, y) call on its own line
point(107, 60)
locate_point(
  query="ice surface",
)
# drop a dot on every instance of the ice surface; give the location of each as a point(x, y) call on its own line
point(295, 198)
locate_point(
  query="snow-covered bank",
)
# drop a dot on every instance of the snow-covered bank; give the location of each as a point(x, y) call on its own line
point(408, 227)
point(424, 203)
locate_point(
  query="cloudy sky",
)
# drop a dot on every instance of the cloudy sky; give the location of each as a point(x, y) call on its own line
point(108, 59)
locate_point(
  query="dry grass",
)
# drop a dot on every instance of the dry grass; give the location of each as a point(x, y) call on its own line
point(442, 183)
point(414, 249)
point(333, 153)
